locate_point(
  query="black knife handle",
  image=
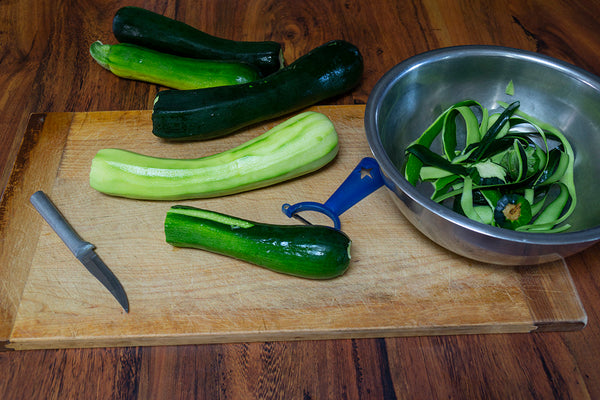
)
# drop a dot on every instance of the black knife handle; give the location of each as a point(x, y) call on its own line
point(59, 224)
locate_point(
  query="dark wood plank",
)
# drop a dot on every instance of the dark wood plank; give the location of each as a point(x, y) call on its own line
point(46, 67)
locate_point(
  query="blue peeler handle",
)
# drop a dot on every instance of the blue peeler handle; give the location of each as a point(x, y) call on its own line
point(364, 179)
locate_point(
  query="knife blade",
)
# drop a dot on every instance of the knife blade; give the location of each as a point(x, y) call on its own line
point(82, 250)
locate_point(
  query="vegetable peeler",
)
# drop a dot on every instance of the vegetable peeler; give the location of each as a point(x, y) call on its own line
point(364, 179)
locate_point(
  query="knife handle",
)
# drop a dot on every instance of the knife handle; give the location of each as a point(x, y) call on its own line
point(59, 224)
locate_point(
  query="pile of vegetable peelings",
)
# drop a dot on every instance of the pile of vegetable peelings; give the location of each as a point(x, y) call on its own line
point(512, 171)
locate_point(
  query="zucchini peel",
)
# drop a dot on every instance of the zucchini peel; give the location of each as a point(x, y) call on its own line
point(300, 145)
point(505, 169)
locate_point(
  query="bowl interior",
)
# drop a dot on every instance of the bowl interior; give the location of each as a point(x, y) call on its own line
point(411, 95)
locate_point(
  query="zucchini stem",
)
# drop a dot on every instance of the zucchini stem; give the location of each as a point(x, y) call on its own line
point(99, 52)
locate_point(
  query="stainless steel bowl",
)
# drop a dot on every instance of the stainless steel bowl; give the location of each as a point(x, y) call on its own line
point(413, 93)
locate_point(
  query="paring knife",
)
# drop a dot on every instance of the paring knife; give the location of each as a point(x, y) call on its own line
point(83, 251)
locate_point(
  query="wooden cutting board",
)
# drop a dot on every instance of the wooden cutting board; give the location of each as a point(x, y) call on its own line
point(399, 283)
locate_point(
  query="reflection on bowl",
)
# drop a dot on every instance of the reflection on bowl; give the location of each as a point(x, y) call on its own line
point(408, 98)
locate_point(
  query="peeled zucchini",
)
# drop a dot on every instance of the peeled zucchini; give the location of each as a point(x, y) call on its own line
point(297, 146)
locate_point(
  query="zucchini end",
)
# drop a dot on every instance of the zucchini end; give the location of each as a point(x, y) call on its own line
point(99, 52)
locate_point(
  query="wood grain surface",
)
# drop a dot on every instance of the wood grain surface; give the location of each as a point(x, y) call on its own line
point(45, 67)
point(399, 283)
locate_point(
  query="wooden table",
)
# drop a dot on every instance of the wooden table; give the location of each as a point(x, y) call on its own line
point(46, 67)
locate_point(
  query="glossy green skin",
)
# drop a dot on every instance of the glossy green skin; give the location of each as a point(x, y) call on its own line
point(145, 28)
point(139, 63)
point(308, 251)
point(327, 71)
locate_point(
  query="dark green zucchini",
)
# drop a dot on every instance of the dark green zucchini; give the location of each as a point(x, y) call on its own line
point(148, 29)
point(326, 71)
point(308, 251)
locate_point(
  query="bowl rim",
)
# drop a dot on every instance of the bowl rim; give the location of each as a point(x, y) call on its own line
point(372, 109)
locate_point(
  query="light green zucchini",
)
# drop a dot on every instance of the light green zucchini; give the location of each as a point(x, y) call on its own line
point(297, 146)
point(138, 63)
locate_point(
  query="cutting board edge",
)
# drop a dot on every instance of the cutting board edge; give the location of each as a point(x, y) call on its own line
point(248, 337)
point(14, 196)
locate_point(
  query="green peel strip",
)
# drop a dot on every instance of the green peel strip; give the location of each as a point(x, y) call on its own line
point(497, 159)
